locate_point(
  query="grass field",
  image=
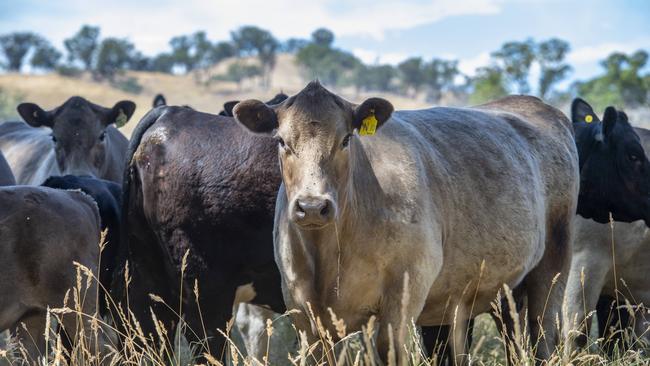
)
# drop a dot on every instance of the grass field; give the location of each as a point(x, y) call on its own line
point(285, 346)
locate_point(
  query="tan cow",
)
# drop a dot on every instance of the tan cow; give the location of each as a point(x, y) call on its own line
point(433, 194)
point(42, 232)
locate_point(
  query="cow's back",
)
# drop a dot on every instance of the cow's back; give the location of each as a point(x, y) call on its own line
point(28, 151)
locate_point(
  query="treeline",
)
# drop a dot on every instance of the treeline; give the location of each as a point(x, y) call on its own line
point(622, 81)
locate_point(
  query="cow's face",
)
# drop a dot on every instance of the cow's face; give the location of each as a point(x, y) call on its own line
point(316, 144)
point(79, 134)
point(614, 170)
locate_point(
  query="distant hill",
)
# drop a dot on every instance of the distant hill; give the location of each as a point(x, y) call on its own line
point(51, 90)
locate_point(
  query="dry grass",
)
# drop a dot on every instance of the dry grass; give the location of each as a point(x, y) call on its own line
point(100, 342)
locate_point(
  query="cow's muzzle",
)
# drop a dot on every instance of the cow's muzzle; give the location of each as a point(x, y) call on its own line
point(313, 212)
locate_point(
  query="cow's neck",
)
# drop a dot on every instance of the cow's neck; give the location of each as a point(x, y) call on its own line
point(334, 248)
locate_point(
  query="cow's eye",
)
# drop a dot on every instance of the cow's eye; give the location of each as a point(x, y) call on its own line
point(102, 136)
point(53, 138)
point(633, 158)
point(346, 141)
point(280, 141)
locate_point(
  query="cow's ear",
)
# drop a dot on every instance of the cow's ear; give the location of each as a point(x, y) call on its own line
point(159, 100)
point(256, 116)
point(609, 120)
point(228, 107)
point(34, 115)
point(120, 113)
point(581, 111)
point(371, 115)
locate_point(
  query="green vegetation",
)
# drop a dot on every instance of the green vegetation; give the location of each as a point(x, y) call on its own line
point(625, 81)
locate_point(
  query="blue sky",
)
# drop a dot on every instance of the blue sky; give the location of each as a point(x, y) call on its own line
point(375, 30)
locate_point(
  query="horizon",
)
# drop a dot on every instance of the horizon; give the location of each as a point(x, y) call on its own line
point(425, 29)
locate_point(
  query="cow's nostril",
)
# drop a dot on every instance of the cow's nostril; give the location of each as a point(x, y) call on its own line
point(325, 210)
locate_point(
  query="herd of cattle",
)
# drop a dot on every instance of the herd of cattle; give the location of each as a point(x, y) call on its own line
point(419, 215)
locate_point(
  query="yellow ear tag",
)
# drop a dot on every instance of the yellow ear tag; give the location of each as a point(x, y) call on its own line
point(589, 118)
point(368, 125)
point(121, 119)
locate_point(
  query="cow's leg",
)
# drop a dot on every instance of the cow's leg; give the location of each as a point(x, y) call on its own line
point(608, 317)
point(460, 334)
point(32, 335)
point(506, 324)
point(73, 327)
point(205, 321)
point(395, 315)
point(587, 275)
point(436, 342)
point(545, 286)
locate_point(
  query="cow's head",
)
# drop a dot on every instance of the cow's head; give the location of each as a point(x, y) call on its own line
point(79, 131)
point(614, 170)
point(316, 145)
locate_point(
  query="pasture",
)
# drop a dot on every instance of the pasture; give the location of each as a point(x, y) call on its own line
point(359, 199)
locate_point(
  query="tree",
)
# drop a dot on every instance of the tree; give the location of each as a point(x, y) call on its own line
point(488, 84)
point(373, 77)
point(621, 84)
point(221, 51)
point(254, 41)
point(330, 65)
point(45, 56)
point(15, 47)
point(439, 76)
point(293, 45)
point(82, 46)
point(163, 62)
point(181, 52)
point(550, 56)
point(516, 59)
point(323, 37)
point(239, 71)
point(411, 74)
point(114, 56)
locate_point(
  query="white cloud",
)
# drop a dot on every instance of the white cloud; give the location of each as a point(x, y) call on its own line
point(151, 26)
point(594, 53)
point(468, 66)
point(373, 57)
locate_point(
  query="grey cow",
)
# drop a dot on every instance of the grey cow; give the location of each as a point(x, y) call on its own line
point(43, 231)
point(78, 138)
point(462, 200)
point(6, 175)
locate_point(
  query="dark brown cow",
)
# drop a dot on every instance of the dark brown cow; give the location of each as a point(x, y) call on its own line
point(200, 183)
point(43, 231)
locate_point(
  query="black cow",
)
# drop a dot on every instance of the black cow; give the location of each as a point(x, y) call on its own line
point(614, 169)
point(6, 176)
point(200, 184)
point(108, 196)
point(78, 137)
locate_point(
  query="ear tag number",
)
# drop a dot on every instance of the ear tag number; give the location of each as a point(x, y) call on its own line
point(121, 119)
point(589, 118)
point(368, 125)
